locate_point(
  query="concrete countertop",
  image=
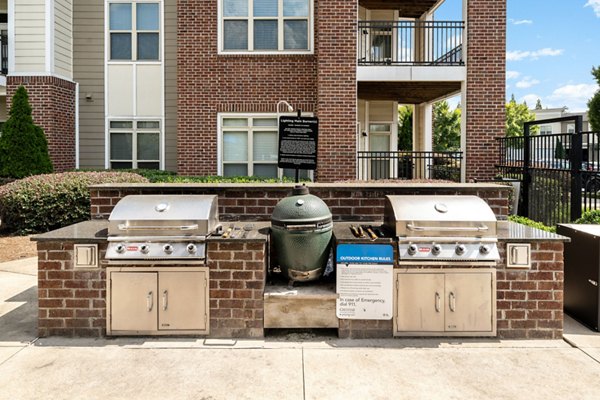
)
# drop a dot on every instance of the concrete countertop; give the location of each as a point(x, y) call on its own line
point(518, 233)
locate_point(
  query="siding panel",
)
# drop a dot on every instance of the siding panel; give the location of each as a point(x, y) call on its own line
point(63, 37)
point(30, 36)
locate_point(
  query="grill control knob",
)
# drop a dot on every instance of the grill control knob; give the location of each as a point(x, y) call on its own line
point(120, 249)
point(436, 249)
point(485, 249)
point(412, 249)
point(191, 248)
point(144, 249)
point(167, 248)
point(460, 249)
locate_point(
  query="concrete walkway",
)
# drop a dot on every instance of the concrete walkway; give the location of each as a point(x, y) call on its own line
point(293, 366)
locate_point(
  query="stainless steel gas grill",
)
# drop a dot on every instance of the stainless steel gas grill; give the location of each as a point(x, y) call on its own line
point(456, 229)
point(447, 250)
point(160, 229)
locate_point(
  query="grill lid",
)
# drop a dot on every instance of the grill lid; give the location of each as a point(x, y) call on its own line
point(301, 211)
point(164, 215)
point(434, 216)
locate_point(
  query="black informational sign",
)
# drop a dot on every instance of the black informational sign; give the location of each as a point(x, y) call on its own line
point(298, 137)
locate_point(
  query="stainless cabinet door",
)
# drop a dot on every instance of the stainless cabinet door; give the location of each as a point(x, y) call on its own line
point(133, 301)
point(420, 302)
point(469, 302)
point(182, 298)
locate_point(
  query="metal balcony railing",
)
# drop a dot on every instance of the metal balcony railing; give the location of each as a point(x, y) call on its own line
point(437, 43)
point(376, 165)
point(4, 52)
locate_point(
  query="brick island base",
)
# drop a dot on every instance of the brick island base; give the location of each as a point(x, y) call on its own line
point(73, 301)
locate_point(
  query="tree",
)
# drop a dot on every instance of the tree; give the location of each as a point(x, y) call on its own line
point(594, 103)
point(23, 145)
point(516, 116)
point(446, 127)
point(405, 128)
point(559, 150)
point(538, 104)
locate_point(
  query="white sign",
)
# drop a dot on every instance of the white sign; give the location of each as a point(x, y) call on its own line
point(365, 291)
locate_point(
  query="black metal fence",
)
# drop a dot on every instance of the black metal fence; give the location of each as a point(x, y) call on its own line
point(410, 42)
point(559, 173)
point(376, 165)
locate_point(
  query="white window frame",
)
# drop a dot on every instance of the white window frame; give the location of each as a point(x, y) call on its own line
point(546, 130)
point(280, 29)
point(134, 130)
point(249, 128)
point(134, 31)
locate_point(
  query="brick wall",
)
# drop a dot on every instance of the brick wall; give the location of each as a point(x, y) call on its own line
point(237, 283)
point(486, 85)
point(337, 89)
point(71, 302)
point(209, 83)
point(240, 202)
point(530, 302)
point(365, 329)
point(53, 102)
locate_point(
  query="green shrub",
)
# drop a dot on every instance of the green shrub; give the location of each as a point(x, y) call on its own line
point(589, 217)
point(45, 202)
point(153, 175)
point(221, 179)
point(531, 223)
point(23, 145)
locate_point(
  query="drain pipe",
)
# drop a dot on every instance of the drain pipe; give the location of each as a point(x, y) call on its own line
point(77, 125)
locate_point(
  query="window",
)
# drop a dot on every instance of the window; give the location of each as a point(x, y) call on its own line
point(134, 31)
point(134, 144)
point(571, 128)
point(379, 145)
point(250, 147)
point(546, 130)
point(265, 25)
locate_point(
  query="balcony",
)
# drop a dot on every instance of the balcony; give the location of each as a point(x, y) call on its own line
point(411, 43)
point(410, 61)
point(408, 165)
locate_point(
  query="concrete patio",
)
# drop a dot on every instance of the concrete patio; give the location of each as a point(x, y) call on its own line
point(292, 366)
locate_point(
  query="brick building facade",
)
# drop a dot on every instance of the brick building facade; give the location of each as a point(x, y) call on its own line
point(175, 98)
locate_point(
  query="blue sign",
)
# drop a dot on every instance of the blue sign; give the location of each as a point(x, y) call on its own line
point(365, 254)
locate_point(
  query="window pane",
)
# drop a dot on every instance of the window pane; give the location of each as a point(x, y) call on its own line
point(148, 165)
point(121, 124)
point(235, 8)
point(121, 165)
point(295, 35)
point(120, 16)
point(265, 35)
point(120, 46)
point(148, 146)
point(147, 16)
point(148, 124)
point(295, 8)
point(235, 122)
point(265, 171)
point(147, 46)
point(235, 170)
point(265, 8)
point(265, 122)
point(264, 146)
point(291, 173)
point(380, 127)
point(120, 146)
point(379, 143)
point(235, 35)
point(235, 146)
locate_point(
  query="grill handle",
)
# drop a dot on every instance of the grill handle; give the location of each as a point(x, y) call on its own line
point(125, 227)
point(414, 227)
point(305, 227)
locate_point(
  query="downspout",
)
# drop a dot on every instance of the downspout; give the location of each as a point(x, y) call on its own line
point(77, 125)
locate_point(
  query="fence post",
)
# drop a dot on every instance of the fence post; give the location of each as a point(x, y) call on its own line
point(576, 158)
point(524, 206)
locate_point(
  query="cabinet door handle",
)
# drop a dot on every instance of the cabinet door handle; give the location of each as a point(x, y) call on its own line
point(452, 299)
point(438, 302)
point(149, 301)
point(165, 299)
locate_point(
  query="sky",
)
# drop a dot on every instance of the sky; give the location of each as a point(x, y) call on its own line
point(552, 46)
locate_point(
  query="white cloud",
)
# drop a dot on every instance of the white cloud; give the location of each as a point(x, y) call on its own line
point(531, 99)
point(527, 82)
point(521, 22)
point(595, 4)
point(512, 74)
point(518, 55)
point(573, 96)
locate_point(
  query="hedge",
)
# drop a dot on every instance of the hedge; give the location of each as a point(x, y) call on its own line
point(45, 202)
point(531, 223)
point(589, 217)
